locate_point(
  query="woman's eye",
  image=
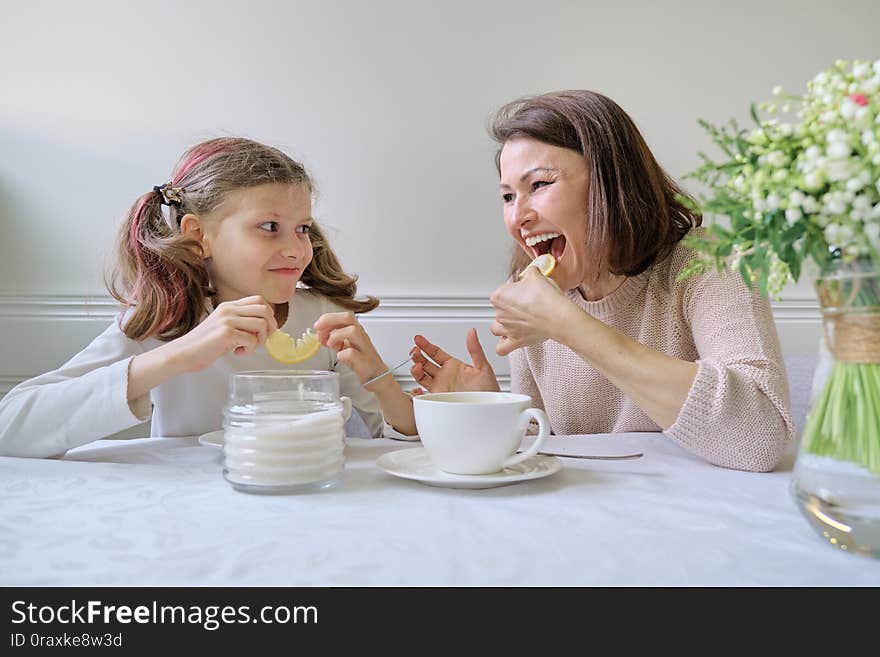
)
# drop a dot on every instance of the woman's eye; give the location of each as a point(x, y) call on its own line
point(507, 198)
point(305, 228)
point(540, 183)
point(270, 226)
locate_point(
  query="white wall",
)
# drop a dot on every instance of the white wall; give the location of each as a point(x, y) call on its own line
point(386, 102)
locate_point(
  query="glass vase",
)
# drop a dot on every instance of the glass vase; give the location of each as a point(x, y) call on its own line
point(836, 481)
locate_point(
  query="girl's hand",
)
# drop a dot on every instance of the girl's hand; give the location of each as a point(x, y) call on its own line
point(450, 374)
point(344, 334)
point(240, 326)
point(525, 311)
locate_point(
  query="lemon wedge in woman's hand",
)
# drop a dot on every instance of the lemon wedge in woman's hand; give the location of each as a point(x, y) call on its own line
point(545, 263)
point(285, 349)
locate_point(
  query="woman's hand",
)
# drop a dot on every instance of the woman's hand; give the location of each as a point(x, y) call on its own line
point(526, 311)
point(345, 335)
point(240, 326)
point(448, 374)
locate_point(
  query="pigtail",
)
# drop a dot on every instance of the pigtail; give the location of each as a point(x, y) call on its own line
point(159, 272)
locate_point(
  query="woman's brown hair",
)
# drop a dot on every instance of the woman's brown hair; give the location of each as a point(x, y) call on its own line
point(633, 216)
point(161, 274)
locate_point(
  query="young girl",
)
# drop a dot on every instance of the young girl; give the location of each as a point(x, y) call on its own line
point(208, 267)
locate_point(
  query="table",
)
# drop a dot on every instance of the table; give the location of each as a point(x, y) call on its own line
point(157, 512)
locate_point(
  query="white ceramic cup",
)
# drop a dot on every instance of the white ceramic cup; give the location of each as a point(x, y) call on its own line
point(475, 433)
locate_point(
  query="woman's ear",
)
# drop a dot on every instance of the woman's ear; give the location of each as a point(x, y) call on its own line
point(191, 226)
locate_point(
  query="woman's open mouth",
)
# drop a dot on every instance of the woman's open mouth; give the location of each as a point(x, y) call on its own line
point(553, 243)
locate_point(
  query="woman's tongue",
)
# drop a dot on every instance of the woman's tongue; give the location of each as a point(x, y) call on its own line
point(557, 246)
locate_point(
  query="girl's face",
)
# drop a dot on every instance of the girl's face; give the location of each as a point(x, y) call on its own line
point(257, 242)
point(544, 191)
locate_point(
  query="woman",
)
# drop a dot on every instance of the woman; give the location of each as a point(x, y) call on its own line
point(622, 344)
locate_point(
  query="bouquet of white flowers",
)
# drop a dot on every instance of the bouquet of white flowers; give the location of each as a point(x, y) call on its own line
point(804, 184)
point(799, 189)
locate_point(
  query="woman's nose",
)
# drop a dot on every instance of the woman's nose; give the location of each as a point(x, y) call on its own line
point(522, 213)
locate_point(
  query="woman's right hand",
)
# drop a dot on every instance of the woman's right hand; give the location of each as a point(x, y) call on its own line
point(448, 374)
point(240, 326)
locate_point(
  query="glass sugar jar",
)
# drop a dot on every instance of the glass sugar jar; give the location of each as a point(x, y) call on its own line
point(284, 431)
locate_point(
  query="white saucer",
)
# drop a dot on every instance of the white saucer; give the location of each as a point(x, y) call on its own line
point(416, 464)
point(212, 439)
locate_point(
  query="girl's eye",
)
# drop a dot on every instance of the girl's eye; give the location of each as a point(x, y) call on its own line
point(304, 229)
point(270, 226)
point(507, 198)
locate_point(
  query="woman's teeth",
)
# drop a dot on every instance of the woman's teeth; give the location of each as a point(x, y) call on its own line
point(531, 241)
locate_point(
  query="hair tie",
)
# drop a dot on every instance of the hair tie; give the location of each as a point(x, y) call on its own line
point(171, 196)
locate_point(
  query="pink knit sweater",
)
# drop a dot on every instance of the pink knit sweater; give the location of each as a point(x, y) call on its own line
point(737, 412)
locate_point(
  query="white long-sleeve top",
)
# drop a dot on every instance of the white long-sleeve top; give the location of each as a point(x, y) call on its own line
point(86, 398)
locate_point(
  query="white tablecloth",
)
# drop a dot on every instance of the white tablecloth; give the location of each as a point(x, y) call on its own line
point(158, 512)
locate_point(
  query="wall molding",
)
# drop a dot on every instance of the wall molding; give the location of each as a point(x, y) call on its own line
point(30, 326)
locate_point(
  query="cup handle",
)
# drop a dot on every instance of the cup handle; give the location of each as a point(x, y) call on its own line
point(346, 407)
point(543, 432)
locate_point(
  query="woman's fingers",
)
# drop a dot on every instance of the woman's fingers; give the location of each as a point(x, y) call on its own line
point(433, 352)
point(421, 376)
point(505, 346)
point(475, 349)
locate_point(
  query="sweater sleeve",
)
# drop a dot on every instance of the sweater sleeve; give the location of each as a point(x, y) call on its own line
point(737, 412)
point(83, 400)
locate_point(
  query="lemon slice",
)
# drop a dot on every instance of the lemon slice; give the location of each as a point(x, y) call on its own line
point(545, 263)
point(285, 349)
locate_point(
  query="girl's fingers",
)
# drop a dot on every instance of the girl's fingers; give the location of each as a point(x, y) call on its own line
point(245, 342)
point(261, 311)
point(343, 338)
point(331, 321)
point(251, 325)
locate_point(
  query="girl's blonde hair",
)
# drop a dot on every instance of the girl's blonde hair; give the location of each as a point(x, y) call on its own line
point(161, 274)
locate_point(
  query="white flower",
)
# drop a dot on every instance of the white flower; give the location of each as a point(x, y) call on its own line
point(868, 137)
point(813, 153)
point(835, 135)
point(833, 204)
point(839, 150)
point(861, 202)
point(861, 70)
point(838, 234)
point(813, 180)
point(777, 159)
point(796, 198)
point(839, 170)
point(854, 184)
point(872, 232)
point(848, 109)
point(793, 215)
point(773, 201)
point(777, 90)
point(810, 205)
point(877, 67)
